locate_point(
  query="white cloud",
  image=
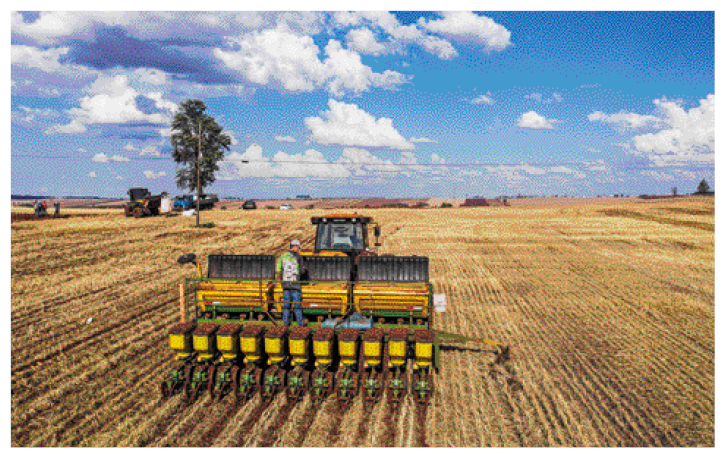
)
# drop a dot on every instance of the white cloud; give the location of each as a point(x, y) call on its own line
point(153, 175)
point(92, 174)
point(119, 177)
point(567, 171)
point(29, 115)
point(348, 125)
point(130, 147)
point(684, 137)
point(81, 150)
point(311, 163)
point(411, 165)
point(690, 136)
point(467, 26)
point(532, 120)
point(279, 56)
point(149, 151)
point(46, 60)
point(232, 138)
point(285, 139)
point(58, 27)
point(362, 162)
point(515, 173)
point(439, 47)
point(110, 99)
point(422, 140)
point(483, 99)
point(364, 41)
point(160, 103)
point(625, 120)
point(100, 157)
point(593, 150)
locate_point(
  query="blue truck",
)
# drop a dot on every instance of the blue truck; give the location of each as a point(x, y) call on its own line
point(188, 202)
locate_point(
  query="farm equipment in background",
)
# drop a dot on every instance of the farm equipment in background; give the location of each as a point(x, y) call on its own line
point(188, 202)
point(141, 203)
point(368, 324)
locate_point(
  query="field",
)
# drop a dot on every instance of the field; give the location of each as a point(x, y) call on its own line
point(608, 308)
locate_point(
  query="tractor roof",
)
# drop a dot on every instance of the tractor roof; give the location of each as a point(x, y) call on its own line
point(341, 218)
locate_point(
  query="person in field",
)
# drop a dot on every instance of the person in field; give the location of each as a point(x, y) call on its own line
point(290, 267)
point(56, 205)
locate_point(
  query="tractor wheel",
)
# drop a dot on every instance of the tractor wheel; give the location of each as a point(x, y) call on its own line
point(138, 212)
point(127, 211)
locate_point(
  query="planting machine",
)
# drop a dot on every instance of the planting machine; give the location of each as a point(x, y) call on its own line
point(368, 324)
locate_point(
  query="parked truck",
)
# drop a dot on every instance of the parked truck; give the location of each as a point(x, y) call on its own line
point(188, 202)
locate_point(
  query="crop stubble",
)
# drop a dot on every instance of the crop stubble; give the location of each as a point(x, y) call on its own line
point(609, 310)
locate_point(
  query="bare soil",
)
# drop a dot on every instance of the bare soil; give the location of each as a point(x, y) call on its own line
point(608, 308)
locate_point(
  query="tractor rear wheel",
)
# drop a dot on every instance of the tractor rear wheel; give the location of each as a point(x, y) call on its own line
point(138, 212)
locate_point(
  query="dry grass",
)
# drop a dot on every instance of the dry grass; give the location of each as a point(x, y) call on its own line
point(609, 309)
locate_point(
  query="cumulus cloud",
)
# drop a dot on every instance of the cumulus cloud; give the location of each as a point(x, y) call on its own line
point(364, 41)
point(434, 36)
point(281, 57)
point(312, 164)
point(285, 139)
point(689, 136)
point(110, 100)
point(348, 125)
point(362, 161)
point(680, 136)
point(46, 60)
point(532, 120)
point(92, 174)
point(151, 175)
point(467, 26)
point(100, 157)
point(130, 147)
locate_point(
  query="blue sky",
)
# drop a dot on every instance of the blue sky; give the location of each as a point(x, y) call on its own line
point(368, 104)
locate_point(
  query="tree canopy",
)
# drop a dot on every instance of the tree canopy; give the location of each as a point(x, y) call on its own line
point(703, 187)
point(185, 145)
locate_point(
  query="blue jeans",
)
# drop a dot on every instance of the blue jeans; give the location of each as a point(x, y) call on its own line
point(292, 295)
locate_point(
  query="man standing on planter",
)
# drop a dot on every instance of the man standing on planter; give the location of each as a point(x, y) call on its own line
point(290, 267)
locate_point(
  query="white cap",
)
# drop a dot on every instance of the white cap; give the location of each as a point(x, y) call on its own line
point(295, 243)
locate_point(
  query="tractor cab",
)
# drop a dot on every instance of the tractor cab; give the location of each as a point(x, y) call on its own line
point(343, 233)
point(136, 194)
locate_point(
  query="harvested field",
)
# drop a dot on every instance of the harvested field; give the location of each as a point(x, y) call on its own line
point(608, 308)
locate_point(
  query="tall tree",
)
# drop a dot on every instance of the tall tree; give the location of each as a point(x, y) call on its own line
point(199, 154)
point(703, 187)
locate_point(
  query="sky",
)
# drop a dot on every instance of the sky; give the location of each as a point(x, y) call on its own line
point(386, 104)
